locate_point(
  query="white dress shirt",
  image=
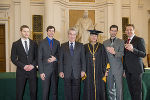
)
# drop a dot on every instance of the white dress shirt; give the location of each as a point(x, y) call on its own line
point(23, 43)
point(72, 44)
point(131, 38)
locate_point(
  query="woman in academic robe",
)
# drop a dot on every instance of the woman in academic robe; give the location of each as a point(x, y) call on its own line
point(96, 63)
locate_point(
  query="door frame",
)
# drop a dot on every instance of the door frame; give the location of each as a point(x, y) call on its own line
point(7, 46)
point(148, 35)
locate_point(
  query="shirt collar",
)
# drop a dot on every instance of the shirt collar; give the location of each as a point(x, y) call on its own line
point(131, 37)
point(49, 38)
point(112, 40)
point(72, 44)
point(22, 39)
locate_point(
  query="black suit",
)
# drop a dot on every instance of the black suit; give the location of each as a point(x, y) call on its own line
point(133, 67)
point(72, 66)
point(49, 69)
point(20, 59)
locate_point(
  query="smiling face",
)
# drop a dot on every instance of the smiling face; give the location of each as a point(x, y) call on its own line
point(50, 32)
point(72, 35)
point(129, 31)
point(113, 32)
point(25, 33)
point(93, 38)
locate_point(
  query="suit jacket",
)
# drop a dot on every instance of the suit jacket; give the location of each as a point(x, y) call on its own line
point(115, 60)
point(19, 56)
point(133, 60)
point(72, 64)
point(44, 53)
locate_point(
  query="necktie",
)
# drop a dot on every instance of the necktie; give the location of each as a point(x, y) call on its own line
point(128, 41)
point(112, 42)
point(26, 47)
point(51, 44)
point(71, 49)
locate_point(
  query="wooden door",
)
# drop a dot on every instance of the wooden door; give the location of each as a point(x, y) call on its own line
point(2, 49)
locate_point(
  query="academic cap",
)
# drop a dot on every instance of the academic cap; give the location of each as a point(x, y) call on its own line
point(96, 32)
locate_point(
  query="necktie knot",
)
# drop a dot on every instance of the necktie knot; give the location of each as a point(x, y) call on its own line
point(25, 42)
point(128, 41)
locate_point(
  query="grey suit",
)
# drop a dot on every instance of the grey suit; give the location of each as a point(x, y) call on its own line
point(49, 69)
point(71, 66)
point(116, 71)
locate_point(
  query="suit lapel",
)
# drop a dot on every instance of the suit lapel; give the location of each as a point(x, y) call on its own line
point(132, 41)
point(48, 47)
point(67, 48)
point(75, 47)
point(54, 46)
point(115, 42)
point(109, 43)
point(21, 46)
point(30, 46)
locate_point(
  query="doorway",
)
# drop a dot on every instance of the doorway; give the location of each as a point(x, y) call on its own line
point(2, 49)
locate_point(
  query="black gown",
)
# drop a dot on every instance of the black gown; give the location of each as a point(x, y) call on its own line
point(101, 61)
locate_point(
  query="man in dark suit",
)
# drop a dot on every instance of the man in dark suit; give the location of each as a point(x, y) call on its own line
point(24, 56)
point(48, 53)
point(72, 66)
point(133, 65)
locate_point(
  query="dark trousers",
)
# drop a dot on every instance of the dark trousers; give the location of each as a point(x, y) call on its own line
point(134, 81)
point(21, 79)
point(51, 81)
point(72, 89)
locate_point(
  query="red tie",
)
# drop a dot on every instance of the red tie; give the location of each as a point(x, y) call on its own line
point(128, 41)
point(51, 45)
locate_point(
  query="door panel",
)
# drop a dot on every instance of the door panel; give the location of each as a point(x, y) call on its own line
point(2, 49)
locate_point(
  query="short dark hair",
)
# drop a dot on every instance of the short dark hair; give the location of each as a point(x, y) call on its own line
point(114, 26)
point(132, 25)
point(23, 26)
point(50, 27)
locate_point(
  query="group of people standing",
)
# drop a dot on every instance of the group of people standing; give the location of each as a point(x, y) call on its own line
point(74, 62)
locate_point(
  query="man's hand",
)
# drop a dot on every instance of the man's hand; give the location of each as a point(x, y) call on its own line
point(28, 67)
point(124, 74)
point(31, 67)
point(129, 47)
point(52, 59)
point(42, 76)
point(82, 74)
point(61, 74)
point(106, 73)
point(111, 50)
